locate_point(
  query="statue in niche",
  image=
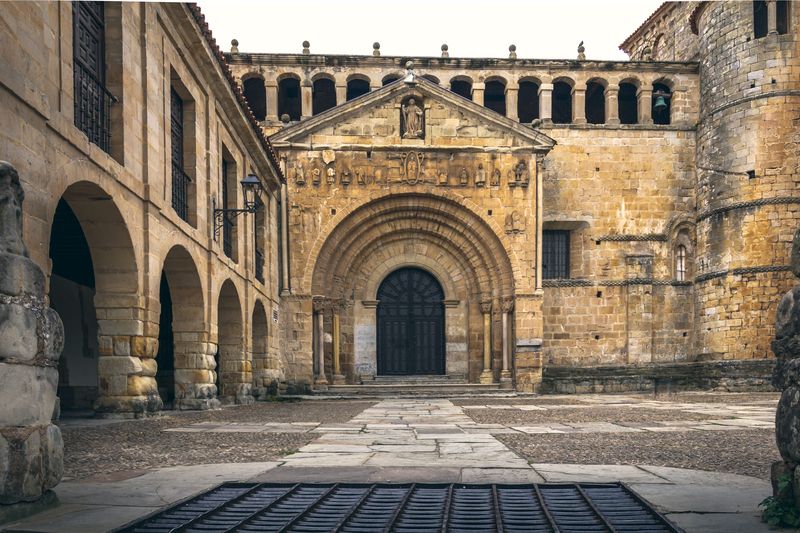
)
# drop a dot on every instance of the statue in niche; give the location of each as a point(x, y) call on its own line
point(412, 116)
point(480, 176)
point(495, 178)
point(299, 174)
point(521, 176)
point(515, 223)
point(463, 177)
point(360, 178)
point(345, 177)
point(330, 174)
point(443, 178)
point(412, 167)
point(315, 176)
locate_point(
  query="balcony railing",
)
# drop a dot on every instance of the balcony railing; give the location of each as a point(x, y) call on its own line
point(92, 107)
point(180, 191)
point(260, 265)
point(227, 235)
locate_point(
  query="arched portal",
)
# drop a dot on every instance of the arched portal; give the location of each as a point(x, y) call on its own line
point(234, 371)
point(260, 350)
point(165, 359)
point(410, 324)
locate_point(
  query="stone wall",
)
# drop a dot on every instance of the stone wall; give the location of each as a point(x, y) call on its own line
point(747, 178)
point(665, 36)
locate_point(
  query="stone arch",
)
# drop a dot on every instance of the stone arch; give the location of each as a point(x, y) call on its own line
point(595, 101)
point(255, 92)
point(357, 85)
point(462, 86)
point(259, 348)
point(125, 382)
point(431, 78)
point(494, 94)
point(562, 110)
point(234, 370)
point(289, 95)
point(390, 78)
point(193, 364)
point(628, 101)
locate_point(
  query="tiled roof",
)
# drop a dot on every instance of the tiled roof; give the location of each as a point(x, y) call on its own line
point(237, 90)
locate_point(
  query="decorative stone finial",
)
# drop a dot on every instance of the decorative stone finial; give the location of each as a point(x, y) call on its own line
point(306, 46)
point(445, 52)
point(409, 72)
point(234, 46)
point(376, 48)
point(11, 197)
point(581, 50)
point(512, 51)
point(285, 118)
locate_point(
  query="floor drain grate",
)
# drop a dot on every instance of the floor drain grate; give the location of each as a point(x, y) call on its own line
point(368, 508)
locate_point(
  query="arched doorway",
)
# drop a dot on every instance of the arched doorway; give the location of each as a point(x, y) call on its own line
point(165, 359)
point(410, 324)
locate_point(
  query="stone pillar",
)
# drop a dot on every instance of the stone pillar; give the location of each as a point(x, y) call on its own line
point(271, 87)
point(320, 381)
point(306, 99)
point(338, 378)
point(612, 104)
point(645, 103)
point(31, 340)
point(772, 17)
point(341, 94)
point(486, 309)
point(507, 304)
point(578, 105)
point(546, 103)
point(512, 94)
point(284, 214)
point(477, 92)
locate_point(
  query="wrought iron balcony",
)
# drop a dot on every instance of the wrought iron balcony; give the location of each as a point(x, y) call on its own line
point(180, 191)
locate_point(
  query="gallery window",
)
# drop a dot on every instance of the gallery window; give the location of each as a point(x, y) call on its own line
point(555, 254)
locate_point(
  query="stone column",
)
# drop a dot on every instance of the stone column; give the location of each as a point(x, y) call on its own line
point(338, 378)
point(271, 87)
point(772, 17)
point(546, 103)
point(579, 105)
point(320, 381)
point(31, 340)
point(486, 309)
point(477, 92)
point(306, 98)
point(512, 94)
point(284, 214)
point(341, 93)
point(507, 304)
point(612, 104)
point(645, 103)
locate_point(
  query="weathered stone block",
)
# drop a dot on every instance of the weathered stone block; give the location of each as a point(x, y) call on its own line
point(18, 328)
point(53, 335)
point(20, 276)
point(31, 462)
point(787, 424)
point(27, 394)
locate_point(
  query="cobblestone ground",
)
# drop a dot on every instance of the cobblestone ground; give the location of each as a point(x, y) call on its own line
point(719, 432)
point(101, 449)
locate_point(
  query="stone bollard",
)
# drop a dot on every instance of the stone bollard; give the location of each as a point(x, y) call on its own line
point(786, 377)
point(31, 340)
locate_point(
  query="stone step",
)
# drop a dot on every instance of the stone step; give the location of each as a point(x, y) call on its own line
point(421, 390)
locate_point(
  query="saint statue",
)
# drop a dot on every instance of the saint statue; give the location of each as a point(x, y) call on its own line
point(480, 176)
point(412, 118)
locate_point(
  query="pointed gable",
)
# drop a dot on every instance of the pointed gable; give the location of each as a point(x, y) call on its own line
point(448, 121)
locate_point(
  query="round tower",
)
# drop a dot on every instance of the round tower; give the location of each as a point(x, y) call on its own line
point(748, 189)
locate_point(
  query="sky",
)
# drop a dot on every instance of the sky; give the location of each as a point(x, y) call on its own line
point(541, 29)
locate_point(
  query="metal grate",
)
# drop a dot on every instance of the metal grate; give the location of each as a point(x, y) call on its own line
point(407, 508)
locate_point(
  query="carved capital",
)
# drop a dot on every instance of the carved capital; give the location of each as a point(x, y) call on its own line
point(486, 306)
point(507, 304)
point(321, 303)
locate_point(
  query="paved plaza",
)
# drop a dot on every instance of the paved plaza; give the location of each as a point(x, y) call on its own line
point(470, 440)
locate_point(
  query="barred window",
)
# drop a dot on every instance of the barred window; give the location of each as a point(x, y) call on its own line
point(555, 254)
point(680, 263)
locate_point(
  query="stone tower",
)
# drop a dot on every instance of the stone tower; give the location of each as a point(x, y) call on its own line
point(747, 172)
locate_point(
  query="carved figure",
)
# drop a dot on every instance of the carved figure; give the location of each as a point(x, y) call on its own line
point(412, 120)
point(495, 178)
point(480, 176)
point(330, 174)
point(345, 177)
point(443, 178)
point(299, 174)
point(412, 167)
point(521, 174)
point(315, 176)
point(360, 178)
point(11, 197)
point(463, 176)
point(515, 223)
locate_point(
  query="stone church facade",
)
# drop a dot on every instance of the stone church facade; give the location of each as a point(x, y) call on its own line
point(544, 225)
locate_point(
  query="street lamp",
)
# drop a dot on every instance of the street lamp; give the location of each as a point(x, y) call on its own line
point(252, 189)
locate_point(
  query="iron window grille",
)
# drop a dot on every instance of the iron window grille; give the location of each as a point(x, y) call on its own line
point(680, 263)
point(555, 254)
point(93, 101)
point(180, 180)
point(227, 221)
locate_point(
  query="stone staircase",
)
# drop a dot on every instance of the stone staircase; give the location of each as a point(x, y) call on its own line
point(435, 386)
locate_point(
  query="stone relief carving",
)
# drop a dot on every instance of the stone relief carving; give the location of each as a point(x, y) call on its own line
point(480, 176)
point(330, 175)
point(515, 223)
point(463, 176)
point(520, 175)
point(360, 179)
point(345, 177)
point(315, 176)
point(412, 167)
point(328, 156)
point(299, 174)
point(443, 179)
point(412, 120)
point(495, 178)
